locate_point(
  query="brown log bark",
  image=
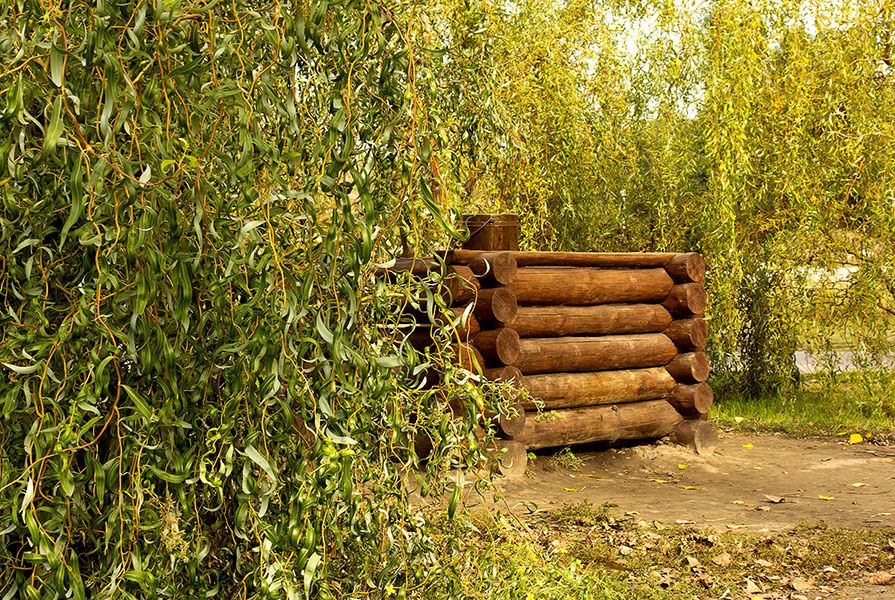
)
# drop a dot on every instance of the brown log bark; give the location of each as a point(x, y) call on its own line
point(496, 304)
point(687, 267)
point(689, 333)
point(461, 284)
point(509, 458)
point(686, 299)
point(419, 266)
point(467, 357)
point(499, 346)
point(494, 269)
point(638, 420)
point(692, 400)
point(506, 374)
point(629, 260)
point(556, 355)
point(571, 390)
point(509, 423)
point(602, 319)
point(689, 367)
point(467, 327)
point(562, 285)
point(698, 434)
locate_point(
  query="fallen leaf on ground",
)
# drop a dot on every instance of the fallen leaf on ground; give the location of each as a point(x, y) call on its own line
point(752, 587)
point(683, 467)
point(882, 577)
point(722, 559)
point(737, 502)
point(570, 489)
point(625, 550)
point(597, 476)
point(827, 497)
point(764, 563)
point(692, 562)
point(855, 438)
point(858, 484)
point(693, 487)
point(749, 445)
point(660, 481)
point(801, 585)
point(738, 419)
point(775, 499)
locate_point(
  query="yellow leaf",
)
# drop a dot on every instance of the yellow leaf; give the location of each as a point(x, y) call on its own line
point(571, 489)
point(683, 467)
point(597, 476)
point(855, 438)
point(660, 480)
point(827, 497)
point(858, 484)
point(749, 445)
point(738, 419)
point(693, 487)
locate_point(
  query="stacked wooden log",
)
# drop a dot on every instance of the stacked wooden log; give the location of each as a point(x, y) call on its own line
point(609, 346)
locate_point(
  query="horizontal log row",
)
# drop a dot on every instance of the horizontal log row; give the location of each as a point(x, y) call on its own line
point(611, 346)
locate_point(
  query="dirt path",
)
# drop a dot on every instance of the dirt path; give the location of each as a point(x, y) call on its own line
point(753, 482)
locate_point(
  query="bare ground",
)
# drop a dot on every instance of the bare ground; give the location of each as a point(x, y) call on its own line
point(752, 482)
point(765, 484)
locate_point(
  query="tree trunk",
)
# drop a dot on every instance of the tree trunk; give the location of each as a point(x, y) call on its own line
point(557, 355)
point(686, 299)
point(467, 357)
point(628, 260)
point(498, 346)
point(571, 390)
point(507, 374)
point(689, 367)
point(688, 334)
point(700, 435)
point(639, 420)
point(496, 304)
point(509, 458)
point(692, 400)
point(563, 285)
point(603, 319)
point(461, 284)
point(494, 269)
point(686, 268)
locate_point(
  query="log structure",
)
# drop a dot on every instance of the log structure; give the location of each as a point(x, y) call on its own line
point(601, 346)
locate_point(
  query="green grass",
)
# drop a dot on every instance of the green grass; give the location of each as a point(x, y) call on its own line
point(822, 407)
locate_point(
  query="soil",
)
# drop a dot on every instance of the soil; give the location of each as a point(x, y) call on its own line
point(754, 483)
point(765, 484)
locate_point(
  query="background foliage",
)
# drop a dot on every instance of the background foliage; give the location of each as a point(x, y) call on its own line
point(758, 133)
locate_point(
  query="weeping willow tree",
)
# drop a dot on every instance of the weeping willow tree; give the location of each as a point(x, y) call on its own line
point(759, 133)
point(203, 393)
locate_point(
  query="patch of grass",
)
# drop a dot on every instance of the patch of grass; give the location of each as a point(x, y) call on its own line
point(822, 407)
point(566, 459)
point(583, 513)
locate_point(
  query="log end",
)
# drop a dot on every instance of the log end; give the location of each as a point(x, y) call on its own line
point(688, 267)
point(510, 423)
point(698, 434)
point(509, 458)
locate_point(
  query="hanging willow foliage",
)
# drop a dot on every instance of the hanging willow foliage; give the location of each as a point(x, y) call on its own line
point(203, 393)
